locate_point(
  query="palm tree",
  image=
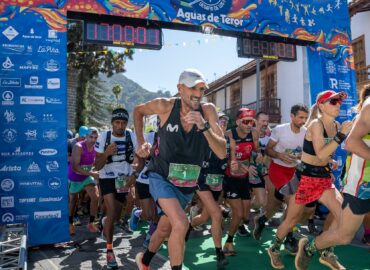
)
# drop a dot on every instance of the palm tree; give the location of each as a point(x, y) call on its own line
point(117, 89)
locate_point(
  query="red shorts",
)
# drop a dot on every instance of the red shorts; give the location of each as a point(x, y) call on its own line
point(311, 188)
point(280, 175)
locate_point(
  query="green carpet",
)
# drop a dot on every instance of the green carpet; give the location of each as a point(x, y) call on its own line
point(200, 254)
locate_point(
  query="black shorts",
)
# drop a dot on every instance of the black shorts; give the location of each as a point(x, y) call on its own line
point(108, 186)
point(142, 190)
point(261, 184)
point(357, 206)
point(236, 188)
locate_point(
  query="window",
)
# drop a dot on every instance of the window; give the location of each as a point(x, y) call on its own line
point(358, 46)
point(235, 95)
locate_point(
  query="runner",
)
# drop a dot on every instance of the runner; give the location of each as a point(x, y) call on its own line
point(114, 154)
point(81, 176)
point(285, 148)
point(188, 128)
point(209, 190)
point(356, 193)
point(243, 140)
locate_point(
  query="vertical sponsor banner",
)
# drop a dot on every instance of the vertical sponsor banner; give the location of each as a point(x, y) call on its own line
point(33, 164)
point(333, 69)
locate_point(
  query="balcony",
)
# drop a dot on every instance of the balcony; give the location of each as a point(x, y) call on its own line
point(271, 106)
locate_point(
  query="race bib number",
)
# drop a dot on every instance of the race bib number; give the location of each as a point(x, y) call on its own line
point(214, 181)
point(120, 183)
point(183, 175)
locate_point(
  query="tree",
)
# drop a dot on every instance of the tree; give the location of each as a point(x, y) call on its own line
point(89, 60)
point(117, 89)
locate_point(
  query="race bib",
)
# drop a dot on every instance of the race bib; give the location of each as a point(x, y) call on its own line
point(183, 175)
point(120, 183)
point(214, 181)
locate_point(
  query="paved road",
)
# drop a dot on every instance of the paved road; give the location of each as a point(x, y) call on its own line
point(91, 254)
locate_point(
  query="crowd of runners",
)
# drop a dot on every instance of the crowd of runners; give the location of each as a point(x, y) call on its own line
point(193, 170)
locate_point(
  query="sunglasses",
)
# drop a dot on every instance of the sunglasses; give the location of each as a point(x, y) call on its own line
point(247, 121)
point(222, 122)
point(335, 101)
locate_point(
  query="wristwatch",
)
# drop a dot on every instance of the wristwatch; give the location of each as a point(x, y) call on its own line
point(206, 127)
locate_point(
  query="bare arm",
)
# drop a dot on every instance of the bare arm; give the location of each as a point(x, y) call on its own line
point(285, 157)
point(214, 135)
point(324, 151)
point(354, 143)
point(160, 106)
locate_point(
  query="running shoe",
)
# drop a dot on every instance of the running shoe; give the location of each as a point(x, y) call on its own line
point(221, 260)
point(111, 260)
point(302, 260)
point(259, 225)
point(134, 219)
point(291, 245)
point(275, 259)
point(139, 262)
point(329, 259)
point(242, 231)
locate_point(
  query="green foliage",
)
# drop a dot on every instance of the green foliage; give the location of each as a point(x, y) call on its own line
point(90, 60)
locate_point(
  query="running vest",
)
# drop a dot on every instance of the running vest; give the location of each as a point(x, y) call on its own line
point(178, 155)
point(357, 180)
point(243, 149)
point(125, 150)
point(86, 162)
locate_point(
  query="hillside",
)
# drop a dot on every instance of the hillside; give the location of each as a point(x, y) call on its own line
point(131, 95)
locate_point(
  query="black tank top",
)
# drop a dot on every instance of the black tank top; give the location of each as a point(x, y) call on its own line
point(174, 145)
point(308, 145)
point(213, 164)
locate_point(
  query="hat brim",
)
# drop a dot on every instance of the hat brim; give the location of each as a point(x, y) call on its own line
point(196, 82)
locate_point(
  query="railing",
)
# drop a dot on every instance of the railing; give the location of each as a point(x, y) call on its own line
point(271, 106)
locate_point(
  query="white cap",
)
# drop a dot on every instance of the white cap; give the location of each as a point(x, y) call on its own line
point(191, 77)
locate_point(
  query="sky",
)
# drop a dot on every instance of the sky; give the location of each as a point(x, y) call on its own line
point(213, 55)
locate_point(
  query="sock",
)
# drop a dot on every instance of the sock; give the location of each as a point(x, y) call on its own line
point(230, 238)
point(310, 248)
point(109, 247)
point(218, 251)
point(277, 244)
point(177, 267)
point(70, 218)
point(147, 257)
point(262, 220)
point(138, 212)
point(92, 218)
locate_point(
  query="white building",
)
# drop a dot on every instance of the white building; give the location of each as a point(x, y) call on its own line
point(283, 84)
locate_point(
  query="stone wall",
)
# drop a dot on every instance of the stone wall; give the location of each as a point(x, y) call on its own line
point(71, 98)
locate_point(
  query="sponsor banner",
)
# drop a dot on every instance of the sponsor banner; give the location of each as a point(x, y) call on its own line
point(334, 70)
point(33, 167)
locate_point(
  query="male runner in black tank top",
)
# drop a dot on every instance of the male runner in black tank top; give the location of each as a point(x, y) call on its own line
point(188, 129)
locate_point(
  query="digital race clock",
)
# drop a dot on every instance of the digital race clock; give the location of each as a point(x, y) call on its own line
point(126, 35)
point(256, 48)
